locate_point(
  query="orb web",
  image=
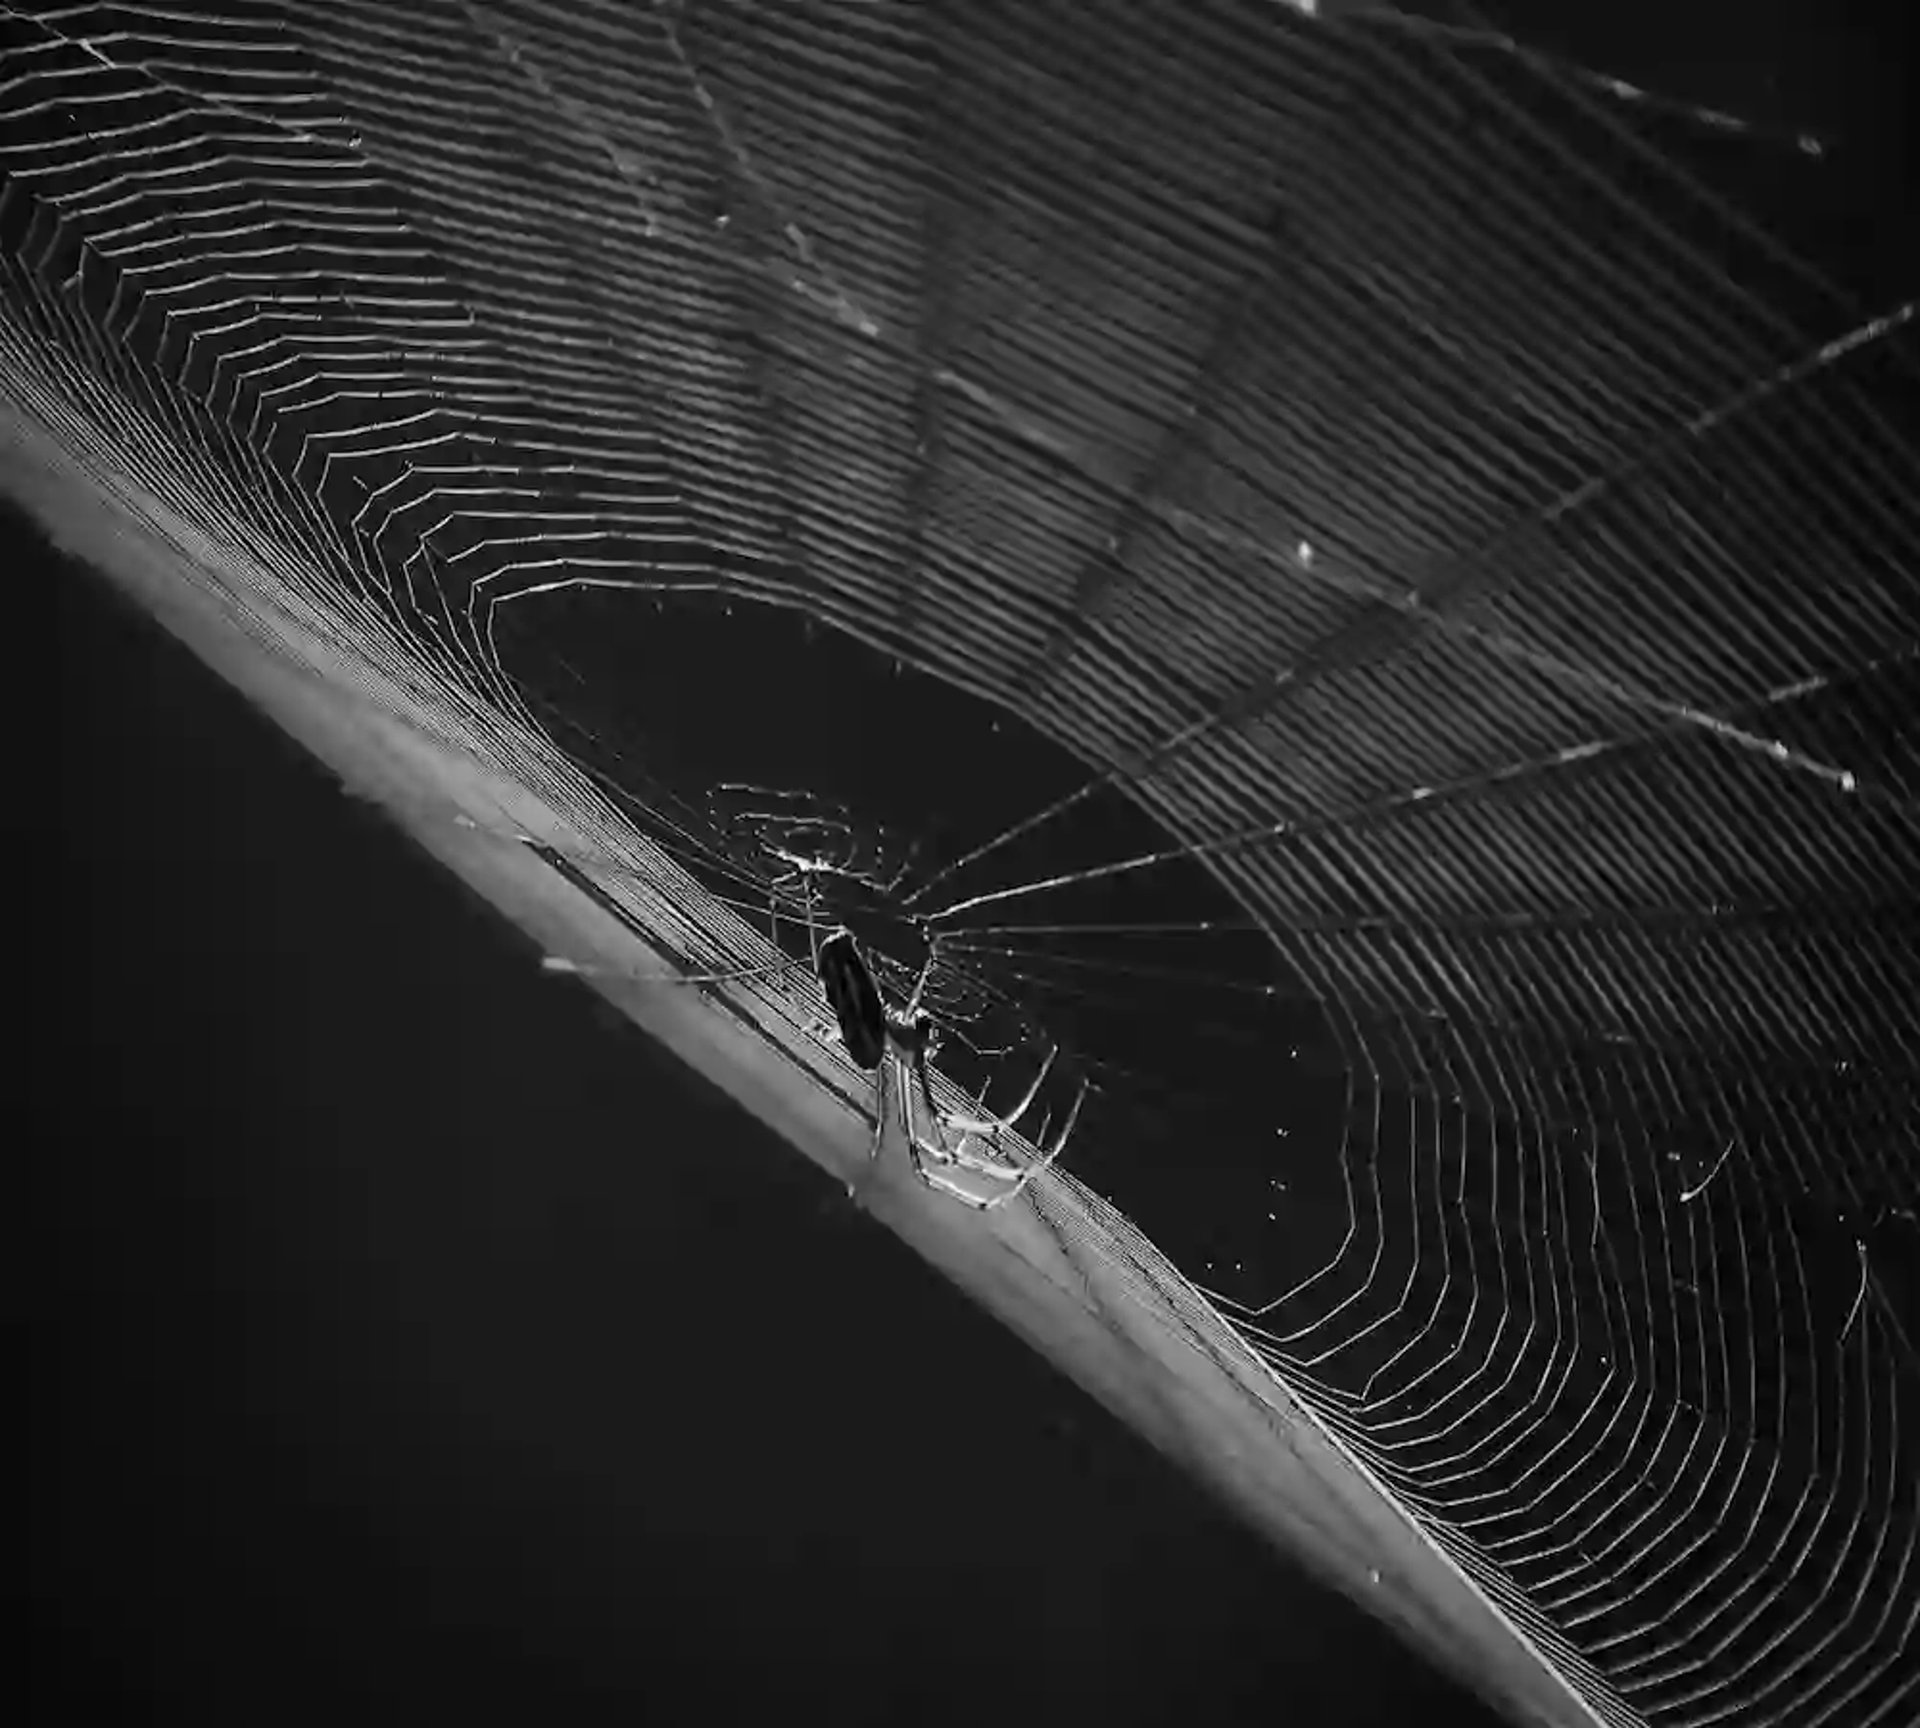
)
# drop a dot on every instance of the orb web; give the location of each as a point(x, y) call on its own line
point(1467, 572)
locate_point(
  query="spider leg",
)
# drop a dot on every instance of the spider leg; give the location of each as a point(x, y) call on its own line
point(993, 1125)
point(1009, 1178)
point(879, 1114)
point(857, 1184)
point(916, 1149)
point(912, 1008)
point(1011, 1191)
point(936, 1118)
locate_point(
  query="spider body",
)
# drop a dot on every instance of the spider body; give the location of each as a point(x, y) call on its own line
point(894, 1045)
point(854, 998)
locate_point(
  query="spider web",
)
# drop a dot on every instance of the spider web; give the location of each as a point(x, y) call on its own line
point(1465, 567)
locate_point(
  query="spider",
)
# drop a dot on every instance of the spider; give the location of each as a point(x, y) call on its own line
point(894, 1045)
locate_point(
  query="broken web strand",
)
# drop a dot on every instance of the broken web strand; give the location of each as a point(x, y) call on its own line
point(641, 183)
point(829, 293)
point(1481, 36)
point(1456, 573)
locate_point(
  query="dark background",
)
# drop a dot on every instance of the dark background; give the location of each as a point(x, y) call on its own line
point(412, 1339)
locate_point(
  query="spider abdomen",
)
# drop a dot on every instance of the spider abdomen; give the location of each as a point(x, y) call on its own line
point(854, 998)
